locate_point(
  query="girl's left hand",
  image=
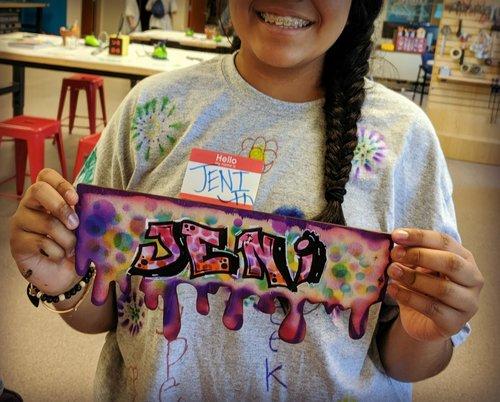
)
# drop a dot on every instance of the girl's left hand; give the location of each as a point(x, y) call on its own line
point(435, 281)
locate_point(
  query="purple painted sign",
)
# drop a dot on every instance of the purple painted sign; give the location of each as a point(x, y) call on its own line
point(168, 242)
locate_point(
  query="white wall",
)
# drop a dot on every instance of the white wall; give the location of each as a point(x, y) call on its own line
point(111, 10)
point(180, 20)
point(74, 11)
point(110, 15)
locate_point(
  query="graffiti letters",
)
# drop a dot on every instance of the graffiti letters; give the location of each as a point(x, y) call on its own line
point(172, 247)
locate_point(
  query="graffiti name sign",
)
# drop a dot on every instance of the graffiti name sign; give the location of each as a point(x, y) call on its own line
point(169, 242)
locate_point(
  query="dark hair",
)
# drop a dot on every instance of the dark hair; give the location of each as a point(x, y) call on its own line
point(344, 71)
point(343, 79)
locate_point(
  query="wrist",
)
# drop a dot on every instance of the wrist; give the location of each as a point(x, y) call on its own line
point(407, 359)
point(433, 344)
point(71, 302)
point(61, 303)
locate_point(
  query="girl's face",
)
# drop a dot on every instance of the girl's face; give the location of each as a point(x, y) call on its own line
point(288, 33)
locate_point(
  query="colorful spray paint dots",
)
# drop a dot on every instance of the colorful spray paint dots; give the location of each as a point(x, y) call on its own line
point(153, 117)
point(131, 312)
point(370, 153)
point(169, 242)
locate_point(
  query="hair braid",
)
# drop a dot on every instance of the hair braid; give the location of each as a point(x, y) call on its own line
point(345, 67)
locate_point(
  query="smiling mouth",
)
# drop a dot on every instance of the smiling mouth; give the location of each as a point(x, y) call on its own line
point(286, 22)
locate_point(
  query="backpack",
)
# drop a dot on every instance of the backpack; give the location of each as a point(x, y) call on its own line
point(158, 10)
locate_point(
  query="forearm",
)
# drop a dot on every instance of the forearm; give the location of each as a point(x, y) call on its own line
point(88, 318)
point(408, 360)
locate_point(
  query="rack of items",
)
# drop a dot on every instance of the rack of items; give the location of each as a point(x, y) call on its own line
point(10, 15)
point(10, 20)
point(465, 80)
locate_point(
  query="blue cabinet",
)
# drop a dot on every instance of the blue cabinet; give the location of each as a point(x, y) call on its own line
point(54, 16)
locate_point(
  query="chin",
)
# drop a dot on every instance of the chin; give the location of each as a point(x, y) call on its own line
point(279, 56)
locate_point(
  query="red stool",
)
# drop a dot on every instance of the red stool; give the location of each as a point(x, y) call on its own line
point(30, 134)
point(90, 84)
point(85, 147)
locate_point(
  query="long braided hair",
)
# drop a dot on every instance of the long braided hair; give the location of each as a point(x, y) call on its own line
point(343, 80)
point(345, 68)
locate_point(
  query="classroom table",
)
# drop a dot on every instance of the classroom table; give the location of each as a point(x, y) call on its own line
point(51, 55)
point(18, 5)
point(178, 39)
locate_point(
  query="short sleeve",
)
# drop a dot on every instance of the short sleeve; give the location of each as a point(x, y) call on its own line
point(423, 188)
point(111, 163)
point(423, 193)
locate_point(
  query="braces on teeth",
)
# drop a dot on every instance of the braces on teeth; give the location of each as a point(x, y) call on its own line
point(286, 22)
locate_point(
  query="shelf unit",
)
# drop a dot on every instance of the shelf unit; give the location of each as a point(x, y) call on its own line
point(460, 105)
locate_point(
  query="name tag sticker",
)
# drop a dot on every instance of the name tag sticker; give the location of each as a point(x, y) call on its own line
point(221, 179)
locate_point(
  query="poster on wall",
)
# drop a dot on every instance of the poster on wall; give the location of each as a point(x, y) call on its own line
point(409, 11)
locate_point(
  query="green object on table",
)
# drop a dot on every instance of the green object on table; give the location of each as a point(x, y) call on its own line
point(160, 52)
point(189, 32)
point(91, 40)
point(218, 38)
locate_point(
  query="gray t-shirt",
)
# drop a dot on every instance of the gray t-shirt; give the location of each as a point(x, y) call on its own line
point(399, 179)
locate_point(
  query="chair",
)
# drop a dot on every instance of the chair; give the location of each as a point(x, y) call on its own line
point(85, 147)
point(90, 84)
point(29, 134)
point(426, 69)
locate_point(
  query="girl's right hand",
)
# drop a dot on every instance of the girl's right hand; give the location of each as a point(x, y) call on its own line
point(42, 241)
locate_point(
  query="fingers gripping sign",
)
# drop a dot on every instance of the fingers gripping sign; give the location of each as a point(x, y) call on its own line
point(435, 281)
point(42, 239)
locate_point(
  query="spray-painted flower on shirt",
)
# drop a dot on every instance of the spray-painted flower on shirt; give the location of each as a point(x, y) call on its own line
point(260, 149)
point(370, 153)
point(86, 175)
point(131, 312)
point(153, 131)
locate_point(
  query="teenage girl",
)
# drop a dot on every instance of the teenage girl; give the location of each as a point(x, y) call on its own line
point(337, 148)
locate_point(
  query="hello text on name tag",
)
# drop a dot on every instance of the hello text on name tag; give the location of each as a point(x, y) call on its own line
point(221, 179)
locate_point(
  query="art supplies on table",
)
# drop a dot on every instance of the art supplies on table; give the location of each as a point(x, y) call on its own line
point(118, 45)
point(70, 35)
point(410, 40)
point(30, 42)
point(160, 51)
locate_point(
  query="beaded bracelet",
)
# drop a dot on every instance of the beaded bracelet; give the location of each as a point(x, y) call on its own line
point(35, 295)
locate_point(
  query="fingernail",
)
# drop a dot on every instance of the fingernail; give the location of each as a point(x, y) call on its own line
point(395, 271)
point(399, 253)
point(73, 220)
point(401, 234)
